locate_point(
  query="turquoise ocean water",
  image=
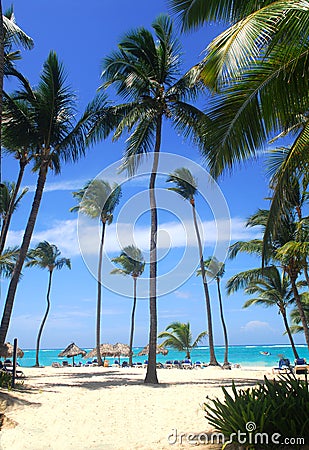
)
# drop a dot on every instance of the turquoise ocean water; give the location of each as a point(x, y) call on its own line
point(246, 355)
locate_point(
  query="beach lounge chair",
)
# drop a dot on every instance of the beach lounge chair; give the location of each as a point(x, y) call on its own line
point(177, 364)
point(197, 365)
point(301, 366)
point(284, 366)
point(116, 363)
point(56, 364)
point(186, 364)
point(168, 365)
point(125, 364)
point(66, 364)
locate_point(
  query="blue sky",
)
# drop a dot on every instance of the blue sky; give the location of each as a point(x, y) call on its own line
point(82, 35)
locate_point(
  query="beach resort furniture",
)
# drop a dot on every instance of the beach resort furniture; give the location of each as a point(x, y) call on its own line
point(177, 364)
point(66, 364)
point(56, 364)
point(116, 363)
point(125, 364)
point(197, 365)
point(186, 364)
point(283, 367)
point(168, 365)
point(301, 366)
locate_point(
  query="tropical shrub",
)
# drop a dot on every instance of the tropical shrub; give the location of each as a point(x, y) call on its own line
point(273, 414)
point(5, 380)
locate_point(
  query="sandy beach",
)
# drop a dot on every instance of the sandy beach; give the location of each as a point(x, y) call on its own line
point(107, 408)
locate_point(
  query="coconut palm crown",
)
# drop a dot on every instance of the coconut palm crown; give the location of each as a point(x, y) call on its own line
point(180, 337)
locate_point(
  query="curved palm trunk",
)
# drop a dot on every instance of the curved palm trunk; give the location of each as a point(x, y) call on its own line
point(300, 309)
point(6, 317)
point(8, 216)
point(1, 81)
point(288, 331)
point(99, 299)
point(226, 342)
point(37, 364)
point(151, 374)
point(213, 361)
point(132, 321)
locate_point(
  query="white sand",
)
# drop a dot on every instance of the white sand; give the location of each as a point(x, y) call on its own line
point(105, 408)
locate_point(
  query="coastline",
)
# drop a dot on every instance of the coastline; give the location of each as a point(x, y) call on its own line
point(108, 408)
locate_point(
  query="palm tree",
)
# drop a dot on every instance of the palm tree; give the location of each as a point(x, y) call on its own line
point(7, 261)
point(46, 256)
point(8, 203)
point(215, 269)
point(10, 35)
point(131, 262)
point(271, 288)
point(296, 326)
point(144, 71)
point(258, 66)
point(43, 121)
point(186, 186)
point(285, 232)
point(98, 199)
point(180, 338)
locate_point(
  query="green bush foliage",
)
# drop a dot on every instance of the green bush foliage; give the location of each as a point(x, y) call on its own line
point(278, 408)
point(5, 379)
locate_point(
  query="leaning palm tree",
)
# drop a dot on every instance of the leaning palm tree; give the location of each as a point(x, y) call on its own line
point(180, 337)
point(43, 121)
point(186, 186)
point(144, 71)
point(46, 256)
point(270, 287)
point(258, 66)
point(296, 326)
point(9, 200)
point(215, 269)
point(131, 262)
point(98, 199)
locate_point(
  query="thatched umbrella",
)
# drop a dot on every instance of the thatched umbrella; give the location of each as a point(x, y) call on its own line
point(105, 350)
point(159, 349)
point(121, 350)
point(71, 351)
point(6, 351)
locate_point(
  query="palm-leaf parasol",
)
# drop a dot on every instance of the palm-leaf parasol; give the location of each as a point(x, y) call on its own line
point(105, 350)
point(6, 351)
point(71, 351)
point(121, 350)
point(159, 349)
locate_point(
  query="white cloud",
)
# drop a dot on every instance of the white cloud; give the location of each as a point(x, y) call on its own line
point(256, 325)
point(70, 235)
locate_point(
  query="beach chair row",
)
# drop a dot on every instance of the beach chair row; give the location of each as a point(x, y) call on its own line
point(300, 366)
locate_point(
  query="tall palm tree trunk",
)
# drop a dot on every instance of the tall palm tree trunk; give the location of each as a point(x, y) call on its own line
point(151, 374)
point(132, 320)
point(226, 342)
point(8, 216)
point(300, 309)
point(213, 361)
point(6, 317)
point(99, 299)
point(37, 364)
point(1, 81)
point(288, 331)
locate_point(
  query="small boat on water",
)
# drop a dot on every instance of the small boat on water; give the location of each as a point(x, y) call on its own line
point(265, 353)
